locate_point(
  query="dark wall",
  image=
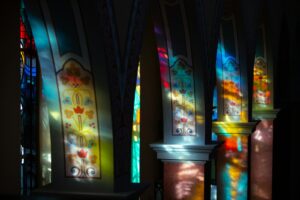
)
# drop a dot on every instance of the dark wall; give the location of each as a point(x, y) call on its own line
point(151, 111)
point(9, 101)
point(287, 97)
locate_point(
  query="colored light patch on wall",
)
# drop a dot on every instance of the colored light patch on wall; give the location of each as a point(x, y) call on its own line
point(183, 99)
point(228, 72)
point(232, 168)
point(214, 136)
point(164, 69)
point(230, 83)
point(44, 142)
point(261, 92)
point(261, 81)
point(215, 105)
point(183, 180)
point(262, 159)
point(80, 124)
point(135, 148)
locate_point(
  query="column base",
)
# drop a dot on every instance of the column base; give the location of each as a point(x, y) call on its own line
point(131, 191)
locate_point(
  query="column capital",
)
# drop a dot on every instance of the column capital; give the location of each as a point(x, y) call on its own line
point(183, 153)
point(265, 114)
point(243, 128)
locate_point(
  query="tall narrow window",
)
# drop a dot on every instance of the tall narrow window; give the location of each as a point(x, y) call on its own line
point(135, 149)
point(214, 136)
point(28, 105)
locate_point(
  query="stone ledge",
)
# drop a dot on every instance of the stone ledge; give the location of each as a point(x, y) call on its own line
point(129, 192)
point(243, 128)
point(182, 153)
point(265, 114)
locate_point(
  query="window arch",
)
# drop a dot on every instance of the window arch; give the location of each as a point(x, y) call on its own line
point(135, 142)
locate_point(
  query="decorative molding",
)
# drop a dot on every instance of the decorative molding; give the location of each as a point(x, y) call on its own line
point(176, 62)
point(243, 128)
point(182, 153)
point(59, 59)
point(229, 75)
point(265, 114)
point(80, 121)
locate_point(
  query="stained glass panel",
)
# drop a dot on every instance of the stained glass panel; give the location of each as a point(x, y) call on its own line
point(135, 148)
point(28, 105)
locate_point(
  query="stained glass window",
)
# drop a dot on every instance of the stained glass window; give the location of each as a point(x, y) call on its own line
point(135, 145)
point(28, 105)
point(215, 105)
point(214, 136)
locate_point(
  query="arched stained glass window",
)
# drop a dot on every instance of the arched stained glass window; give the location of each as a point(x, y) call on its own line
point(135, 146)
point(214, 136)
point(28, 105)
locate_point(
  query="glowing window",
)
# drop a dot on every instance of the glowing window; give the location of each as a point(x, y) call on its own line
point(28, 105)
point(135, 145)
point(214, 136)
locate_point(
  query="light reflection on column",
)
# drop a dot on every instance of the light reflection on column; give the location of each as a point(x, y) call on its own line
point(186, 180)
point(232, 157)
point(261, 156)
point(232, 167)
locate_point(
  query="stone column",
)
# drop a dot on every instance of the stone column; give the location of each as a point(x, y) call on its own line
point(263, 110)
point(184, 150)
point(232, 159)
point(262, 156)
point(233, 125)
